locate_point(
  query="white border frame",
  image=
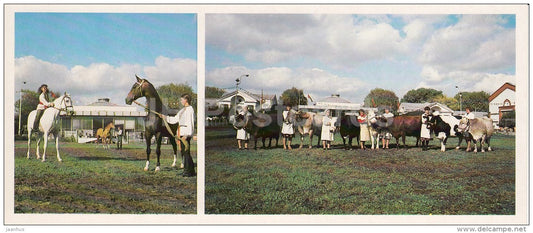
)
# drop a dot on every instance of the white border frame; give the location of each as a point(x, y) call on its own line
point(522, 135)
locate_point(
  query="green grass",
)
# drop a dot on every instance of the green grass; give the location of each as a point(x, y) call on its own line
point(314, 181)
point(93, 180)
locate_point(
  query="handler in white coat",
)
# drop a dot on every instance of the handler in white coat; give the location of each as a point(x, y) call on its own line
point(328, 127)
point(287, 129)
point(425, 132)
point(469, 115)
point(242, 135)
point(185, 118)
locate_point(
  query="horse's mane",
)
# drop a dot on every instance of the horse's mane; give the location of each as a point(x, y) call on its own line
point(164, 108)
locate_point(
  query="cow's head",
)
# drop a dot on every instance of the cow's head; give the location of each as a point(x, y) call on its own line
point(463, 125)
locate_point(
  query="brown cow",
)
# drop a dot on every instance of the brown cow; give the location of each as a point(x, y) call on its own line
point(403, 126)
point(479, 129)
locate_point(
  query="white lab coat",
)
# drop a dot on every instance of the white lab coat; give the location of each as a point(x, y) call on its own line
point(469, 116)
point(286, 128)
point(424, 131)
point(185, 117)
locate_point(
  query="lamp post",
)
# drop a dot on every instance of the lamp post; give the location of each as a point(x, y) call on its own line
point(460, 99)
point(461, 102)
point(237, 82)
point(20, 109)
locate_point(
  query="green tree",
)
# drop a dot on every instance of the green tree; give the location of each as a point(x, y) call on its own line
point(170, 94)
point(421, 95)
point(382, 98)
point(477, 101)
point(291, 96)
point(214, 92)
point(448, 101)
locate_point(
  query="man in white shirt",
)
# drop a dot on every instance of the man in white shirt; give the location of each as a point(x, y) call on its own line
point(469, 115)
point(185, 118)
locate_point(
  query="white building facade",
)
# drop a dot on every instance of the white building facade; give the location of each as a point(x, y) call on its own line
point(87, 119)
point(501, 101)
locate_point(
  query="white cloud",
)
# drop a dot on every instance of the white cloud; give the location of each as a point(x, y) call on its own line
point(88, 83)
point(475, 43)
point(274, 80)
point(334, 39)
point(474, 54)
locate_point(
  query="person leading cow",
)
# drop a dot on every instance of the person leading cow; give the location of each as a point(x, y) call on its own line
point(425, 132)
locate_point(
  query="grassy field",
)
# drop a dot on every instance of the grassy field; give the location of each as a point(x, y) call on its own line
point(314, 181)
point(94, 180)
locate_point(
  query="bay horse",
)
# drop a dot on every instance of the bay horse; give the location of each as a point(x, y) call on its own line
point(104, 134)
point(47, 124)
point(153, 124)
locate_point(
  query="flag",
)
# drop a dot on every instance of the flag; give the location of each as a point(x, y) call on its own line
point(373, 104)
point(309, 97)
point(53, 95)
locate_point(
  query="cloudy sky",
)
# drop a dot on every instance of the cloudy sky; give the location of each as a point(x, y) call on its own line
point(352, 54)
point(93, 55)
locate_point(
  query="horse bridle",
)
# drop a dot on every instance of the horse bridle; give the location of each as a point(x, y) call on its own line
point(66, 108)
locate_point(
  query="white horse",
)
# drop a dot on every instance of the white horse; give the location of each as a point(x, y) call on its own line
point(47, 123)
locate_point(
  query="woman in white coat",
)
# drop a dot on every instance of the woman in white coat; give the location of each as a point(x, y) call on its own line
point(287, 129)
point(185, 118)
point(425, 132)
point(242, 136)
point(365, 132)
point(328, 127)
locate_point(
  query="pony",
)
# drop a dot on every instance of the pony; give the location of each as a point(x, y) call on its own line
point(153, 124)
point(104, 135)
point(47, 124)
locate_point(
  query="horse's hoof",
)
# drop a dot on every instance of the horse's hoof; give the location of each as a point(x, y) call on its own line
point(157, 169)
point(489, 149)
point(145, 168)
point(182, 166)
point(174, 164)
point(457, 148)
point(60, 160)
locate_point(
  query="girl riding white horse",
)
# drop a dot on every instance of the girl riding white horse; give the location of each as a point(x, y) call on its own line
point(46, 124)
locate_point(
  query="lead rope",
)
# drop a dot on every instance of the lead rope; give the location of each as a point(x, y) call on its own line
point(167, 126)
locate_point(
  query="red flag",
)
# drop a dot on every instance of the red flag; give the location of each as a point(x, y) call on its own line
point(53, 95)
point(373, 104)
point(309, 97)
point(398, 104)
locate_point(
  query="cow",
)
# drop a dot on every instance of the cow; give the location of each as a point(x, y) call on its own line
point(480, 129)
point(454, 132)
point(403, 126)
point(308, 123)
point(441, 129)
point(349, 129)
point(374, 127)
point(259, 125)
